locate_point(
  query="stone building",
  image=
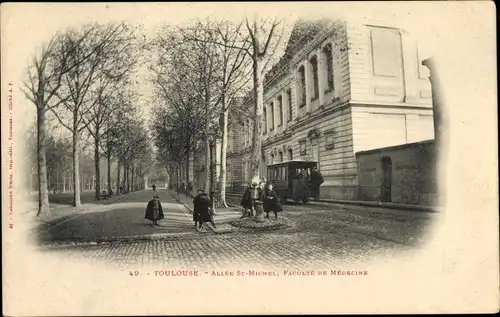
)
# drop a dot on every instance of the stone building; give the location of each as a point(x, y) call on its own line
point(333, 94)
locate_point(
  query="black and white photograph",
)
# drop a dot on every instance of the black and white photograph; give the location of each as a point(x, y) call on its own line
point(312, 155)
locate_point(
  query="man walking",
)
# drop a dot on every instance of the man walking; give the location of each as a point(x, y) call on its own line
point(203, 209)
point(316, 181)
point(196, 209)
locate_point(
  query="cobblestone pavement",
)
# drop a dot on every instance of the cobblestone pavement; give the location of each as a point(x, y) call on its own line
point(323, 235)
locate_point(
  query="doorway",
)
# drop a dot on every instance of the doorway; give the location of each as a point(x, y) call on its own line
point(386, 183)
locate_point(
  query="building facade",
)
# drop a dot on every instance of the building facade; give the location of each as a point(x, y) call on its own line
point(334, 94)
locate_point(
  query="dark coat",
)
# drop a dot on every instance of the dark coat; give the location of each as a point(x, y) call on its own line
point(316, 178)
point(150, 212)
point(248, 201)
point(271, 201)
point(201, 208)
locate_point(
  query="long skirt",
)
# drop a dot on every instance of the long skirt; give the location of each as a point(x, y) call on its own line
point(154, 211)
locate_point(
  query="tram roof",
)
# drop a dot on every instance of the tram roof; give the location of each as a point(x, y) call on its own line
point(292, 161)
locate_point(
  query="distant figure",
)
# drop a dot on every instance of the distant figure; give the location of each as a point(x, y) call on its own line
point(316, 181)
point(154, 211)
point(271, 201)
point(203, 208)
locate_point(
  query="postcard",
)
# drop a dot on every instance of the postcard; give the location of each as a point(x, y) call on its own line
point(249, 158)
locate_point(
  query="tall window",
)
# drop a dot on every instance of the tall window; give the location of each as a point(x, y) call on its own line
point(280, 110)
point(290, 154)
point(315, 84)
point(265, 120)
point(271, 110)
point(272, 158)
point(280, 156)
point(289, 102)
point(328, 57)
point(386, 52)
point(302, 87)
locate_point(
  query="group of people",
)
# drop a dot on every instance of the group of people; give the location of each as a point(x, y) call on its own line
point(260, 198)
point(203, 210)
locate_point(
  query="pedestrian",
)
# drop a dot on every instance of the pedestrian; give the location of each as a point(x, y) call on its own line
point(196, 208)
point(248, 199)
point(204, 210)
point(154, 211)
point(316, 181)
point(271, 201)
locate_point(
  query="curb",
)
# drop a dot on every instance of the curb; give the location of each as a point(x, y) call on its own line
point(432, 209)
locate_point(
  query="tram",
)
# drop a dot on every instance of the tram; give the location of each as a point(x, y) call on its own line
point(291, 179)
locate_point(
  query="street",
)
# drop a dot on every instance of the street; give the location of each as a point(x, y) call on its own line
point(322, 235)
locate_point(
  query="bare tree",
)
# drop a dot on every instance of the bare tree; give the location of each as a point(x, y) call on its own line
point(76, 94)
point(186, 78)
point(45, 74)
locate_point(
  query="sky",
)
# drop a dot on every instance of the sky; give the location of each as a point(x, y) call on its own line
point(26, 27)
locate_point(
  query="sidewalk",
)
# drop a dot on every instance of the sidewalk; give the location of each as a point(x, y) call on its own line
point(60, 213)
point(369, 204)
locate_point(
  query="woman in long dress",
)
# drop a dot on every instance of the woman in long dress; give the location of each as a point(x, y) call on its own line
point(154, 211)
point(271, 201)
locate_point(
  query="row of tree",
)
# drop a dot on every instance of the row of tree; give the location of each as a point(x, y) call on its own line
point(84, 78)
point(203, 71)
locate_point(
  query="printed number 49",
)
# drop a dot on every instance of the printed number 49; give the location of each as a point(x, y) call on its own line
point(133, 273)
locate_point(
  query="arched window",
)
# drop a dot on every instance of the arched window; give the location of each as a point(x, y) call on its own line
point(289, 103)
point(302, 86)
point(271, 114)
point(290, 154)
point(315, 82)
point(280, 156)
point(280, 111)
point(328, 58)
point(272, 158)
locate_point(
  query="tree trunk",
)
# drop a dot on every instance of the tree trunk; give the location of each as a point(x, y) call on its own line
point(257, 122)
point(43, 192)
point(118, 171)
point(208, 167)
point(258, 112)
point(109, 173)
point(223, 156)
point(76, 168)
point(208, 163)
point(97, 161)
point(124, 181)
point(132, 177)
point(128, 178)
point(187, 167)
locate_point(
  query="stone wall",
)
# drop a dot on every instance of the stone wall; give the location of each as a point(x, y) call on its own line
point(413, 179)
